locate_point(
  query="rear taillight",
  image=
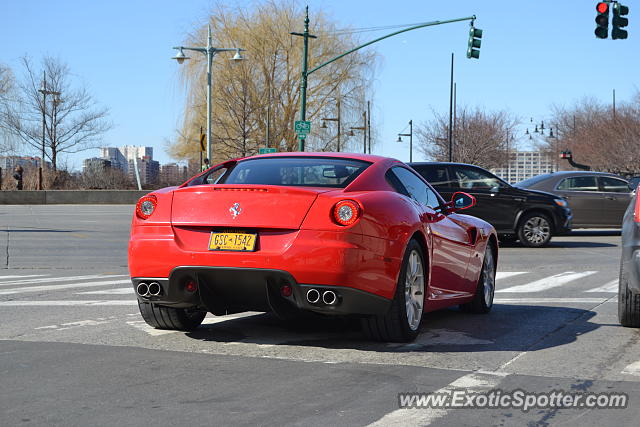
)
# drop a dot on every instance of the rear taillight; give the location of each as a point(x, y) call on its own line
point(636, 211)
point(346, 212)
point(146, 206)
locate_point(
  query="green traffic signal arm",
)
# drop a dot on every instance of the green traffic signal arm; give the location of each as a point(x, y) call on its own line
point(415, 27)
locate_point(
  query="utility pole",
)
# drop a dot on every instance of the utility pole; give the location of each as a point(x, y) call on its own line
point(614, 104)
point(369, 123)
point(451, 113)
point(306, 71)
point(363, 128)
point(303, 79)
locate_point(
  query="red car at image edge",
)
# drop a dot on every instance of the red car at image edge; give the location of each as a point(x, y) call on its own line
point(330, 233)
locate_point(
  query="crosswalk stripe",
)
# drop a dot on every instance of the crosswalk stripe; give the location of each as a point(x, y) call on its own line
point(3, 278)
point(62, 303)
point(506, 274)
point(552, 300)
point(611, 286)
point(59, 287)
point(475, 382)
point(61, 279)
point(116, 291)
point(548, 282)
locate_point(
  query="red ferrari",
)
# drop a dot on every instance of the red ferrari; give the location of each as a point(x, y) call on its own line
point(331, 233)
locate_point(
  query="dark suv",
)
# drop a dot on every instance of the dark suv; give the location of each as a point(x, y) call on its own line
point(531, 216)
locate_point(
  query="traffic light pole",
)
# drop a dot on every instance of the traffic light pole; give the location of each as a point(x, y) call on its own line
point(306, 72)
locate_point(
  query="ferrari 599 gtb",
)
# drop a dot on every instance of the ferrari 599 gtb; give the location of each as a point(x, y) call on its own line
point(330, 233)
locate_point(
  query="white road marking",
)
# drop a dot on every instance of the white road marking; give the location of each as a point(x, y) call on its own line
point(548, 282)
point(63, 303)
point(60, 287)
point(61, 279)
point(609, 287)
point(475, 382)
point(116, 291)
point(552, 300)
point(506, 274)
point(3, 278)
point(632, 369)
point(219, 319)
point(142, 325)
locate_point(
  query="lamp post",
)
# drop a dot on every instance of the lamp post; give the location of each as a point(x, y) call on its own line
point(363, 128)
point(334, 119)
point(410, 135)
point(305, 58)
point(209, 51)
point(44, 91)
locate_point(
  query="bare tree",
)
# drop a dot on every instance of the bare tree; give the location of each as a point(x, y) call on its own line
point(74, 121)
point(479, 137)
point(597, 136)
point(263, 91)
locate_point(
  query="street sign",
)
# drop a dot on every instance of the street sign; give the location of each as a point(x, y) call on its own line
point(266, 150)
point(302, 127)
point(202, 145)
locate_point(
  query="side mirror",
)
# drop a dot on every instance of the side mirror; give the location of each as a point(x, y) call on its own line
point(633, 183)
point(461, 201)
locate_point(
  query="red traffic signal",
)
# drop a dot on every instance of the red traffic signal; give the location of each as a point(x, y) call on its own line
point(602, 7)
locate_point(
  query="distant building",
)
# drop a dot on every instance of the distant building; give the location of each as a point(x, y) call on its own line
point(95, 164)
point(8, 163)
point(123, 159)
point(148, 169)
point(173, 173)
point(526, 164)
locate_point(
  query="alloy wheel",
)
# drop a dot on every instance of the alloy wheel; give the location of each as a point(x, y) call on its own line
point(414, 290)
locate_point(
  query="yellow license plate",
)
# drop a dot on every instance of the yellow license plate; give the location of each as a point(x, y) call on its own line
point(232, 241)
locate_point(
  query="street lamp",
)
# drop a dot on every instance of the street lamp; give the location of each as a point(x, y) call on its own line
point(44, 91)
point(363, 128)
point(334, 119)
point(209, 51)
point(410, 135)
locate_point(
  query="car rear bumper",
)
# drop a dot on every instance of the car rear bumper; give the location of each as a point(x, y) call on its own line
point(307, 257)
point(223, 290)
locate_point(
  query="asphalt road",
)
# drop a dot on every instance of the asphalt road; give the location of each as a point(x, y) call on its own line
point(75, 351)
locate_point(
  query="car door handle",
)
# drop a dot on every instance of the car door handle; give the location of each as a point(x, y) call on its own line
point(609, 197)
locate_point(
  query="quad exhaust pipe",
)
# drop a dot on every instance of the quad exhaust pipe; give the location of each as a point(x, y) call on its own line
point(313, 296)
point(152, 289)
point(328, 297)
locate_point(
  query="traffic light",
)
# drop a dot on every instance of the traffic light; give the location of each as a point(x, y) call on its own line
point(565, 154)
point(475, 36)
point(602, 20)
point(619, 21)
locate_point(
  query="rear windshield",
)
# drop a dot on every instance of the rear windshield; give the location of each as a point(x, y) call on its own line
point(294, 171)
point(531, 181)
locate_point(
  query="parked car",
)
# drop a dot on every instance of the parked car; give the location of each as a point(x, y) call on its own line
point(597, 199)
point(629, 283)
point(531, 216)
point(334, 234)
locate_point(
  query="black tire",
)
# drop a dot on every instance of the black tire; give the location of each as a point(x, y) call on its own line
point(535, 230)
point(628, 302)
point(483, 299)
point(395, 326)
point(178, 319)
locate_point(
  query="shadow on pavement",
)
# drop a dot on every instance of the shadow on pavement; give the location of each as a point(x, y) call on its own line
point(506, 328)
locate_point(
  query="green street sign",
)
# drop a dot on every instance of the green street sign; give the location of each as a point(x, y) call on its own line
point(266, 150)
point(302, 127)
